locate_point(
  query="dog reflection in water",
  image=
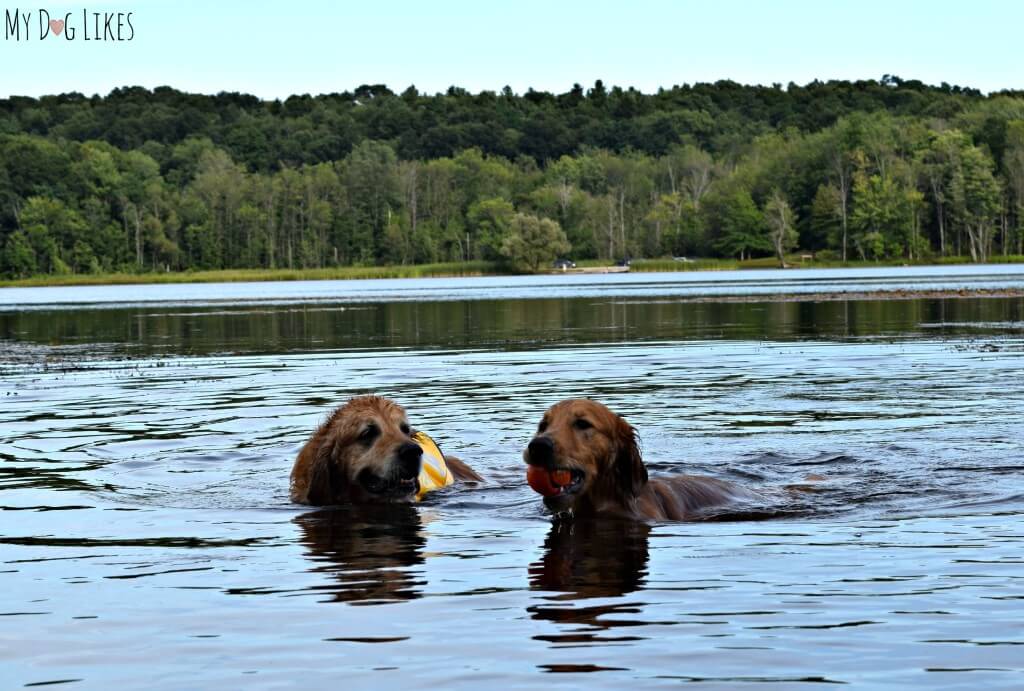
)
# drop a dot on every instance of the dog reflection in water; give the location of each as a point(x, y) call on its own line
point(367, 551)
point(599, 558)
point(595, 558)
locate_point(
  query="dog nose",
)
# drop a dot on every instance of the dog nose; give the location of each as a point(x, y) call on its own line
point(409, 455)
point(541, 451)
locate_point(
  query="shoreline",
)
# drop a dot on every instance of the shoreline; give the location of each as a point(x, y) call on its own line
point(862, 295)
point(454, 270)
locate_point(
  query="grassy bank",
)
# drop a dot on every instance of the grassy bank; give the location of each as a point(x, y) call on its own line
point(475, 268)
point(240, 275)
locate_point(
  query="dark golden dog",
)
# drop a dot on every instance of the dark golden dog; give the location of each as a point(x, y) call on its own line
point(364, 452)
point(585, 460)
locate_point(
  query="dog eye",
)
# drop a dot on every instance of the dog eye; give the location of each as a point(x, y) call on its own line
point(542, 426)
point(405, 428)
point(370, 433)
point(582, 424)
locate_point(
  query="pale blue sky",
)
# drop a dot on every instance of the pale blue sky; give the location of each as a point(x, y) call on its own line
point(273, 49)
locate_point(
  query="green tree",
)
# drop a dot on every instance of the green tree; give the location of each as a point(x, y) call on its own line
point(220, 186)
point(19, 258)
point(533, 241)
point(83, 259)
point(781, 230)
point(935, 164)
point(373, 197)
point(490, 220)
point(963, 183)
point(740, 224)
point(55, 230)
point(1013, 164)
point(155, 180)
point(826, 217)
point(838, 145)
point(882, 217)
point(32, 166)
point(976, 198)
point(140, 191)
point(691, 172)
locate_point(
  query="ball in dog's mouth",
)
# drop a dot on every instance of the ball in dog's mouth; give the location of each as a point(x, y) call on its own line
point(553, 482)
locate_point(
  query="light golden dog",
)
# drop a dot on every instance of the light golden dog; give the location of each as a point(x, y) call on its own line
point(585, 460)
point(363, 453)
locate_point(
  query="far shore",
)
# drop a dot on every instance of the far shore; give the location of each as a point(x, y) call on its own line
point(459, 269)
point(861, 295)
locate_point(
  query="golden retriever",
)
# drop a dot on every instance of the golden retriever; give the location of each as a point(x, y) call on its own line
point(584, 460)
point(364, 452)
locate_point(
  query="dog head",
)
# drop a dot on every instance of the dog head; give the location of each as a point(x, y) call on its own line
point(590, 456)
point(364, 453)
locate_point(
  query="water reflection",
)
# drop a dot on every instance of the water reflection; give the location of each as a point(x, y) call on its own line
point(507, 324)
point(367, 552)
point(603, 558)
point(596, 558)
point(141, 499)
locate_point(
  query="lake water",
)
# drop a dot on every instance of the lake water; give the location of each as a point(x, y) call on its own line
point(147, 433)
point(765, 282)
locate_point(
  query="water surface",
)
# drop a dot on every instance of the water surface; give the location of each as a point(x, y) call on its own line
point(671, 284)
point(147, 538)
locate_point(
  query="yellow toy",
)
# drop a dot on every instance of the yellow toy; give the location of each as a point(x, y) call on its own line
point(434, 472)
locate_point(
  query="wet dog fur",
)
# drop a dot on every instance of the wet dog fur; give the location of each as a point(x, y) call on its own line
point(609, 477)
point(363, 453)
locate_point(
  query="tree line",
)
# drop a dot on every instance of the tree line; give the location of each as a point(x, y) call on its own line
point(162, 180)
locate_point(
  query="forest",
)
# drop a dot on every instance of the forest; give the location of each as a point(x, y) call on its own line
point(160, 180)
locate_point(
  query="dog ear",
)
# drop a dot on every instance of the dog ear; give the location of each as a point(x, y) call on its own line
point(630, 470)
point(327, 483)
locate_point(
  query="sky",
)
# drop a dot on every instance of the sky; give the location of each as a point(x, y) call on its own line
point(275, 49)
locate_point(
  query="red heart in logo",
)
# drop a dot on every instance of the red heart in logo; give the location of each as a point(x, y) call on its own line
point(56, 26)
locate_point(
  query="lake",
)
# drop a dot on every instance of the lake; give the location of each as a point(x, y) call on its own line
point(147, 434)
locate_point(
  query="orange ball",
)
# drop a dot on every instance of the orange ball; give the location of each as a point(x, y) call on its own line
point(561, 477)
point(540, 480)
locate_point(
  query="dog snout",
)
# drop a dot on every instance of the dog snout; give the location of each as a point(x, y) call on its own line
point(409, 456)
point(540, 451)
